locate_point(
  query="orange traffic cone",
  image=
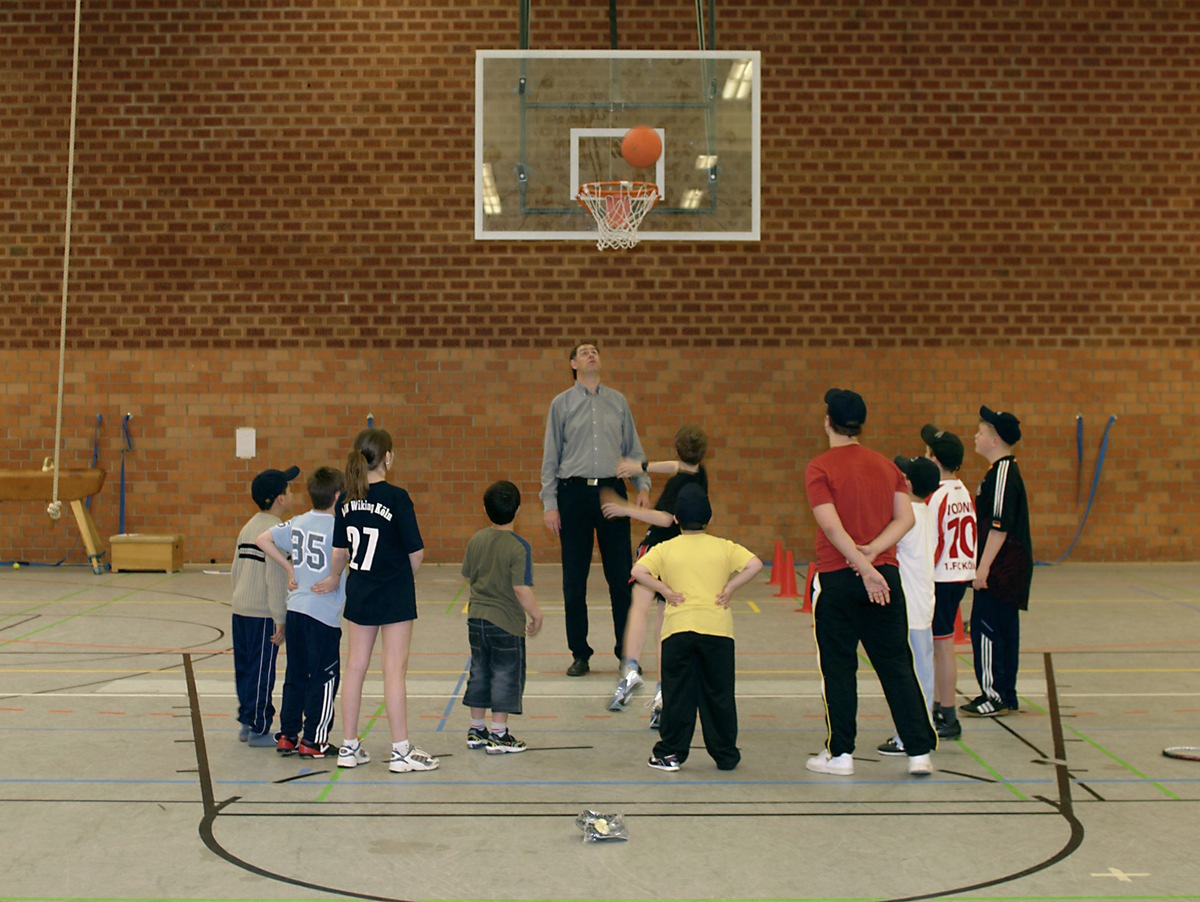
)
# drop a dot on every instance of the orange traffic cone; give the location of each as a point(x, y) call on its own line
point(807, 607)
point(776, 565)
point(787, 579)
point(960, 634)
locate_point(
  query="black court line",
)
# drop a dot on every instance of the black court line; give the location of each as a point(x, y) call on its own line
point(29, 619)
point(212, 809)
point(311, 773)
point(691, 815)
point(1063, 805)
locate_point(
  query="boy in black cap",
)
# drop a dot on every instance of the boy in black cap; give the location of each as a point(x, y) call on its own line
point(1004, 569)
point(915, 553)
point(259, 608)
point(858, 498)
point(953, 508)
point(697, 574)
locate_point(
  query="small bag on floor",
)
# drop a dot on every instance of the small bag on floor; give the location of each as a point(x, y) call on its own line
point(599, 827)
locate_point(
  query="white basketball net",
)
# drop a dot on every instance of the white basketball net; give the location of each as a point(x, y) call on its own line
point(618, 208)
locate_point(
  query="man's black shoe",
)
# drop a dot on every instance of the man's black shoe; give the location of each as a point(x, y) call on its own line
point(578, 667)
point(949, 730)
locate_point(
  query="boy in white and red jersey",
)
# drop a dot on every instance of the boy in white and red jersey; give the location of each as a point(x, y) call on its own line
point(953, 508)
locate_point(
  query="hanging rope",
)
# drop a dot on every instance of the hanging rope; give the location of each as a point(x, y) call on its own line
point(126, 447)
point(55, 508)
point(1095, 482)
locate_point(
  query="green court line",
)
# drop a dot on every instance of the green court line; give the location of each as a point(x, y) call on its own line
point(999, 779)
point(1103, 751)
point(337, 771)
point(454, 600)
point(61, 598)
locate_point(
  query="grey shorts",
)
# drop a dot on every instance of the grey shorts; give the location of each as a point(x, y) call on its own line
point(497, 678)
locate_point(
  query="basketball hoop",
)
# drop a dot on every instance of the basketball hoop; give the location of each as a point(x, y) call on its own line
point(618, 208)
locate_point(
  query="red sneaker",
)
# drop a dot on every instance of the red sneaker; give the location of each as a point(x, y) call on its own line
point(307, 750)
point(285, 745)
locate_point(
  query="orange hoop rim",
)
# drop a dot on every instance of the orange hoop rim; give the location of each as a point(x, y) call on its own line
point(612, 189)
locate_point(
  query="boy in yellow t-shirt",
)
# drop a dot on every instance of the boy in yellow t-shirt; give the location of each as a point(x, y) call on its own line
point(697, 574)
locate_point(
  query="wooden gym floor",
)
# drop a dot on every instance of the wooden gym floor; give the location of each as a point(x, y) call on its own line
point(122, 777)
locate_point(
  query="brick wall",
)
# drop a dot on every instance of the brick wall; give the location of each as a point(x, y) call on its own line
point(962, 203)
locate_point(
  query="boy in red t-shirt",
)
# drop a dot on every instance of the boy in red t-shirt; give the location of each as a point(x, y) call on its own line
point(861, 505)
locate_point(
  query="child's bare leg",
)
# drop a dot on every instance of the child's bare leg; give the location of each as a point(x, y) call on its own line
point(945, 670)
point(396, 640)
point(362, 643)
point(635, 625)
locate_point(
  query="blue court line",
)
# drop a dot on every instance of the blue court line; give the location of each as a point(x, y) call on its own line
point(462, 678)
point(80, 781)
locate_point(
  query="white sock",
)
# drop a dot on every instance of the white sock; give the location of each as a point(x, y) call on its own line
point(499, 728)
point(402, 747)
point(477, 724)
point(350, 743)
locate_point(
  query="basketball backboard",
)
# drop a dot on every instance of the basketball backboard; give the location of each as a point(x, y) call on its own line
point(548, 121)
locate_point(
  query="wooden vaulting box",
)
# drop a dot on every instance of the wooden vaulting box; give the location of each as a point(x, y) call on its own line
point(139, 551)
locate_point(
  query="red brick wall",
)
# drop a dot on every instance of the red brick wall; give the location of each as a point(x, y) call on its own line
point(962, 203)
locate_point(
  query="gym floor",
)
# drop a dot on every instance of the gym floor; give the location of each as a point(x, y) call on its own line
point(124, 778)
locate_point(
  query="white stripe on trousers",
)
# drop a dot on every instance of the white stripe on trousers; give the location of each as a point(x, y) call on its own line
point(325, 721)
point(265, 658)
point(987, 652)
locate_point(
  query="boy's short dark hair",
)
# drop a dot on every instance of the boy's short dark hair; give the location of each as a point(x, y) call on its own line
point(501, 501)
point(324, 486)
point(690, 444)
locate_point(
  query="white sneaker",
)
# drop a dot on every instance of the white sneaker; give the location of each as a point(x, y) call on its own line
point(824, 763)
point(409, 758)
point(352, 755)
point(920, 765)
point(624, 690)
point(656, 708)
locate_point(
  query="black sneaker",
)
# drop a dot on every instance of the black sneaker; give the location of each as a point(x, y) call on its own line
point(892, 747)
point(477, 737)
point(984, 707)
point(948, 730)
point(505, 744)
point(666, 762)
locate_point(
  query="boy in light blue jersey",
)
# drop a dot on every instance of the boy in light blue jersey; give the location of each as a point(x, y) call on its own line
point(314, 631)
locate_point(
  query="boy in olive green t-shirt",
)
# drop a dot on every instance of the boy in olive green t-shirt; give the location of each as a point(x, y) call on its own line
point(697, 574)
point(499, 566)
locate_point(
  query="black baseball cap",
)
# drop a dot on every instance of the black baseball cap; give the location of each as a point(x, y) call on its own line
point(1007, 426)
point(692, 509)
point(946, 446)
point(922, 473)
point(845, 408)
point(270, 484)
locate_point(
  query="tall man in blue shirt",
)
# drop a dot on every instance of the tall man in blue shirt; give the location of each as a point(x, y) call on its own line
point(588, 430)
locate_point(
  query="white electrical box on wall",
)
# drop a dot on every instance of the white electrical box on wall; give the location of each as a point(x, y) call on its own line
point(246, 440)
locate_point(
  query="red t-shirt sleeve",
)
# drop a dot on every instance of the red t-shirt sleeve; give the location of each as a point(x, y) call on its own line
point(816, 484)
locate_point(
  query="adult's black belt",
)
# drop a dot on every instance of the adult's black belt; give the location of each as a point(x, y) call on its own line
point(587, 480)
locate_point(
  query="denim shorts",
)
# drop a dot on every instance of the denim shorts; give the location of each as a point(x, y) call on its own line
point(497, 679)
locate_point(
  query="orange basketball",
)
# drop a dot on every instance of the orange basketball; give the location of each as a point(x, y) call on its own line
point(641, 146)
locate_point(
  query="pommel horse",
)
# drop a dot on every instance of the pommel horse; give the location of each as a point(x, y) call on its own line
point(73, 487)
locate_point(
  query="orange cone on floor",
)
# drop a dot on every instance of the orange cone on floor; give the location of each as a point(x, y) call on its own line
point(787, 579)
point(960, 634)
point(807, 607)
point(776, 565)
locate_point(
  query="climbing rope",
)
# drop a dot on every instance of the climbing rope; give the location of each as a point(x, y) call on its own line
point(55, 508)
